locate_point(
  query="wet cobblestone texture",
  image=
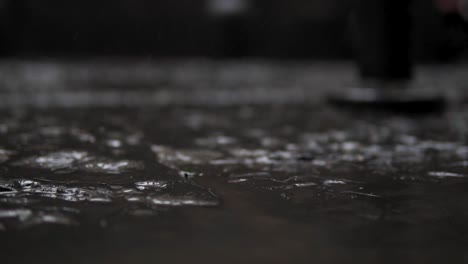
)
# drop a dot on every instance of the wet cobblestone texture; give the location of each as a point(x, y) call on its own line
point(211, 162)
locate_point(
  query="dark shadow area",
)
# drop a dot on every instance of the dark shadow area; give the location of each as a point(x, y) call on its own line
point(297, 29)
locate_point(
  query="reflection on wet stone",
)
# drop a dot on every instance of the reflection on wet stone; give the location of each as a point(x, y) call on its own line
point(78, 160)
point(129, 162)
point(5, 155)
point(333, 166)
point(77, 169)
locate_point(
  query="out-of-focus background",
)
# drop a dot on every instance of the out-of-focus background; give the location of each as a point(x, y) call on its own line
point(198, 131)
point(293, 29)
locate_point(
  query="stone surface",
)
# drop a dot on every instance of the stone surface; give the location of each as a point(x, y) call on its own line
point(230, 163)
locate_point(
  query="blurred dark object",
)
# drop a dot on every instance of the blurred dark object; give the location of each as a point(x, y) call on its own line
point(381, 31)
point(232, 28)
point(455, 39)
point(11, 21)
point(298, 29)
point(397, 99)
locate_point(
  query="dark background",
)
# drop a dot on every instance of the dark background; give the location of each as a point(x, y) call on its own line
point(293, 29)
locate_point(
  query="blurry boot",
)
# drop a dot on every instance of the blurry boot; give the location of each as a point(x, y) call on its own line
point(382, 41)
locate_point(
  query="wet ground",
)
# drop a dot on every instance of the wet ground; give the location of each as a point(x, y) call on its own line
point(210, 162)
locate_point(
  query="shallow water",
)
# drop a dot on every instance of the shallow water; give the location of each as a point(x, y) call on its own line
point(301, 174)
point(267, 183)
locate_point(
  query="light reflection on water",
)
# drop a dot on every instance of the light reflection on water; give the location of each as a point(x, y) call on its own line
point(148, 159)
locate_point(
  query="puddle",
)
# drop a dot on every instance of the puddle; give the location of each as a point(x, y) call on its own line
point(137, 166)
point(227, 156)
